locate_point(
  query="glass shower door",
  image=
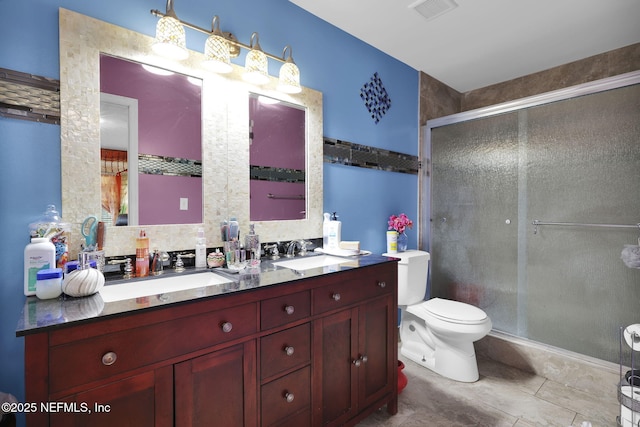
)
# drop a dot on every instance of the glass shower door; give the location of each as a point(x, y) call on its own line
point(474, 228)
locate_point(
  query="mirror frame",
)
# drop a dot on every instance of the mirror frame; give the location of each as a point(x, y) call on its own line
point(225, 141)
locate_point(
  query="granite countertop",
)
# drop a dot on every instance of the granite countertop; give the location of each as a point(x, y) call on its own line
point(41, 315)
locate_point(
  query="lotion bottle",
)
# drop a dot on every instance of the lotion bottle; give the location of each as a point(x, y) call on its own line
point(201, 248)
point(142, 255)
point(325, 231)
point(335, 231)
point(40, 254)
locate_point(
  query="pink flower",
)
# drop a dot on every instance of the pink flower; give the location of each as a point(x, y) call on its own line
point(400, 223)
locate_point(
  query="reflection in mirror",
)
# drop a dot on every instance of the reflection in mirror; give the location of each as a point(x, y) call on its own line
point(151, 149)
point(225, 141)
point(277, 159)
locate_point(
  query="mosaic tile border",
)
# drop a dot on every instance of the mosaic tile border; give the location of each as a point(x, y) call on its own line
point(170, 166)
point(25, 96)
point(364, 156)
point(268, 173)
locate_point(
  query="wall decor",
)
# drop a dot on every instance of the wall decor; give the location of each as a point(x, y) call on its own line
point(364, 156)
point(375, 98)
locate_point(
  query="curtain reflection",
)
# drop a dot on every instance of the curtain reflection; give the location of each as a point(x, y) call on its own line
point(114, 186)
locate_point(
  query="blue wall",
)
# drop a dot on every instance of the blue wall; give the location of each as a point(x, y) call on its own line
point(330, 61)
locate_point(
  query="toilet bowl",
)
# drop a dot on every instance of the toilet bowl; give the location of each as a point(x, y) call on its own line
point(438, 333)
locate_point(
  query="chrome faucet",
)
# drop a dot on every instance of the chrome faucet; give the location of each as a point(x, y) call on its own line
point(157, 264)
point(272, 251)
point(302, 247)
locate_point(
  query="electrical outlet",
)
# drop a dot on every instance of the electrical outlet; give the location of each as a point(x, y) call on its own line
point(184, 204)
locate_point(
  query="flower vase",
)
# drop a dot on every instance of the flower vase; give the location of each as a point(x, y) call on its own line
point(403, 240)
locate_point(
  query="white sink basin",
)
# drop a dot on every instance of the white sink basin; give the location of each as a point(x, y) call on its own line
point(160, 285)
point(312, 262)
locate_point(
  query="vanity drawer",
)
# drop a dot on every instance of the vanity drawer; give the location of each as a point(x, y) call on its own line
point(285, 350)
point(285, 309)
point(348, 292)
point(103, 356)
point(285, 396)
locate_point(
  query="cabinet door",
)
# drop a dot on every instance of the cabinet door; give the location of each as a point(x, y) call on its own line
point(335, 345)
point(376, 346)
point(141, 400)
point(218, 389)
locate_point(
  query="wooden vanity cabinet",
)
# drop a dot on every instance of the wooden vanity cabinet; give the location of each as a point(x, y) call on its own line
point(296, 354)
point(361, 343)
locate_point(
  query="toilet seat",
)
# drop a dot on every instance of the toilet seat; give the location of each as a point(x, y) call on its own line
point(449, 311)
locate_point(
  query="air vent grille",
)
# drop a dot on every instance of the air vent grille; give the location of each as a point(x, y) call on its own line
point(431, 9)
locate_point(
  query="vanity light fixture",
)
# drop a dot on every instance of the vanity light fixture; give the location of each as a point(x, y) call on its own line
point(289, 79)
point(216, 50)
point(220, 47)
point(256, 64)
point(170, 36)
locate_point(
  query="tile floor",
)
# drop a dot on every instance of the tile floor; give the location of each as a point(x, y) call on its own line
point(504, 396)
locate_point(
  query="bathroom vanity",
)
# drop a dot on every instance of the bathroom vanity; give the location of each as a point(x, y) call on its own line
point(279, 348)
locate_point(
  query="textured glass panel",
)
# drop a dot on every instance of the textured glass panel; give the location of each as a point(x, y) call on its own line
point(584, 167)
point(474, 193)
point(572, 161)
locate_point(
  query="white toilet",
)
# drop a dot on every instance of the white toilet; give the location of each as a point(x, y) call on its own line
point(438, 333)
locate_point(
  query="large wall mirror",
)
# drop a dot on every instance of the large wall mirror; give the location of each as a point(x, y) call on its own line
point(225, 143)
point(150, 144)
point(277, 138)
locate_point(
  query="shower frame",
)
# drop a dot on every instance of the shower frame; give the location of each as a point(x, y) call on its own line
point(426, 216)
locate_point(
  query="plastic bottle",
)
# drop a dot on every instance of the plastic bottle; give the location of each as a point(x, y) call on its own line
point(142, 255)
point(40, 254)
point(49, 283)
point(335, 232)
point(234, 229)
point(252, 245)
point(201, 249)
point(325, 231)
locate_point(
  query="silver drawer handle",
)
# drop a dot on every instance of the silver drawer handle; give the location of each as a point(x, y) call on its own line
point(336, 296)
point(289, 309)
point(382, 284)
point(109, 358)
point(289, 350)
point(289, 397)
point(362, 359)
point(226, 327)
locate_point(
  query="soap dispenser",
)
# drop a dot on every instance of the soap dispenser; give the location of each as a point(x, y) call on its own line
point(335, 230)
point(325, 231)
point(142, 255)
point(252, 246)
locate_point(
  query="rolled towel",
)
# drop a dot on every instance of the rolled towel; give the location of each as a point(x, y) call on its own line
point(350, 245)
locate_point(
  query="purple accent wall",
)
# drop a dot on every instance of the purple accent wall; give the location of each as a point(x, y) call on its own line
point(161, 199)
point(278, 135)
point(169, 111)
point(279, 141)
point(266, 209)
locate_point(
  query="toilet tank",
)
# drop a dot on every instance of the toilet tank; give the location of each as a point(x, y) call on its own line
point(413, 269)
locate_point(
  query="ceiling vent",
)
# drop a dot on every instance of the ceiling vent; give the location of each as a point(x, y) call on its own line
point(431, 9)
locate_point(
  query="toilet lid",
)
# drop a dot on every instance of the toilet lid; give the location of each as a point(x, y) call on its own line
point(450, 311)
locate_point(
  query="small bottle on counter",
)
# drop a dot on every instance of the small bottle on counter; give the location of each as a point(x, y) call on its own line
point(252, 246)
point(40, 254)
point(201, 249)
point(49, 283)
point(142, 255)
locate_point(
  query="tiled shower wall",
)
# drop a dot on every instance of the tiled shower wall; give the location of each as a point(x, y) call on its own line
point(439, 100)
